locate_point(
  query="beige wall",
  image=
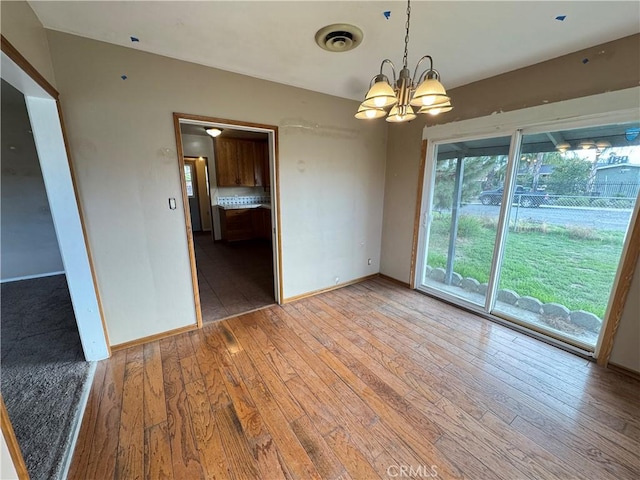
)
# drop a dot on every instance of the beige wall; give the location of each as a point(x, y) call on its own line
point(124, 152)
point(20, 25)
point(401, 190)
point(611, 66)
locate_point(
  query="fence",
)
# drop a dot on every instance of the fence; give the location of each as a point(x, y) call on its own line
point(595, 189)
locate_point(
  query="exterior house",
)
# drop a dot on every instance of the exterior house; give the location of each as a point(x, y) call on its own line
point(347, 194)
point(620, 180)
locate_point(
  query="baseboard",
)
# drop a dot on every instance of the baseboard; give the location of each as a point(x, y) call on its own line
point(624, 370)
point(153, 338)
point(393, 280)
point(75, 428)
point(328, 289)
point(31, 277)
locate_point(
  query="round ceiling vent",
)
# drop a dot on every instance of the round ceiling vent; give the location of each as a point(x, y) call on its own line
point(339, 37)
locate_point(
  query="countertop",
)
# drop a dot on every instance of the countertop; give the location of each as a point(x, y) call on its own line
point(244, 207)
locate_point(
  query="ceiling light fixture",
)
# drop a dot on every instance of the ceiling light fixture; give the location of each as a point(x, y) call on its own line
point(213, 131)
point(424, 91)
point(600, 145)
point(586, 144)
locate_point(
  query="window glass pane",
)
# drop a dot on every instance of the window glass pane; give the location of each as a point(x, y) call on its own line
point(188, 180)
point(464, 215)
point(574, 198)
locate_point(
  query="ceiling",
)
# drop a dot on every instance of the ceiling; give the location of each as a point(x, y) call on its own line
point(271, 40)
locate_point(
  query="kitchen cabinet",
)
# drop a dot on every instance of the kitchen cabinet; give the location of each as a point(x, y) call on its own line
point(235, 225)
point(239, 162)
point(261, 223)
point(245, 224)
point(261, 164)
point(226, 162)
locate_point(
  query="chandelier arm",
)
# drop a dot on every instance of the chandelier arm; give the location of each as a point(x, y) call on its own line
point(393, 68)
point(430, 69)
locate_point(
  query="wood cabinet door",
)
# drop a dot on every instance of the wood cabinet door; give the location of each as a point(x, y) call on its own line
point(246, 162)
point(265, 227)
point(265, 162)
point(226, 162)
point(238, 225)
point(258, 165)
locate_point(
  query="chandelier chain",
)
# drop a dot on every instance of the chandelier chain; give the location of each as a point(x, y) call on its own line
point(406, 37)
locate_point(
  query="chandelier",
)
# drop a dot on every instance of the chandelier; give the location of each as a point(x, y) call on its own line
point(410, 95)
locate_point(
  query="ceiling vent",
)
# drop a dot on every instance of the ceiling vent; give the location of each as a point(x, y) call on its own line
point(339, 37)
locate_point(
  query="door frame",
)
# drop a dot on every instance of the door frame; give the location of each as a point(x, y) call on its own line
point(610, 107)
point(274, 175)
point(47, 125)
point(191, 161)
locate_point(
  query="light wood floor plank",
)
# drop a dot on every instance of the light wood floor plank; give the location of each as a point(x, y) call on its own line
point(84, 443)
point(364, 382)
point(130, 459)
point(157, 453)
point(102, 461)
point(184, 453)
point(155, 410)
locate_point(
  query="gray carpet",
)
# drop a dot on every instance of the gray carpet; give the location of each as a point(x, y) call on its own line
point(43, 370)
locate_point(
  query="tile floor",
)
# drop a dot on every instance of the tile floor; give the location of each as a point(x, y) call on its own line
point(233, 277)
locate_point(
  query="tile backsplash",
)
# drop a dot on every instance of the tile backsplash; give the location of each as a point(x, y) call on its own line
point(246, 200)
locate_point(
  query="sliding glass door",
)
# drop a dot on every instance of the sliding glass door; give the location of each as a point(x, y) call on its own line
point(531, 228)
point(462, 231)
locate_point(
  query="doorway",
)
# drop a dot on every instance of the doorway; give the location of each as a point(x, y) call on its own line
point(196, 178)
point(51, 317)
point(230, 195)
point(530, 228)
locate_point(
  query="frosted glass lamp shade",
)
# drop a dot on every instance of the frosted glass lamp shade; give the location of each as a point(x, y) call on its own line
point(436, 109)
point(214, 132)
point(429, 93)
point(365, 113)
point(395, 115)
point(380, 95)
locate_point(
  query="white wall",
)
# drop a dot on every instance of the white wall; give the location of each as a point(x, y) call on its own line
point(123, 147)
point(7, 469)
point(29, 243)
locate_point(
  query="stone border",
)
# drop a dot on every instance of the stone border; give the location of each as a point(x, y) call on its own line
point(580, 318)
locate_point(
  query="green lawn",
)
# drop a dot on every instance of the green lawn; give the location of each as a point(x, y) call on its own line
point(573, 267)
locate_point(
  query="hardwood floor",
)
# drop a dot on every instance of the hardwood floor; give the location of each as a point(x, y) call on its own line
point(369, 381)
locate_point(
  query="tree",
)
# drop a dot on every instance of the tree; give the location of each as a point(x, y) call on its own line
point(480, 173)
point(570, 177)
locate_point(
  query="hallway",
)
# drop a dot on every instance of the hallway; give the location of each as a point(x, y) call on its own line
point(233, 278)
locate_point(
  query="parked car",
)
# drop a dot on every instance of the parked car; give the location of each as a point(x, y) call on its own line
point(523, 197)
